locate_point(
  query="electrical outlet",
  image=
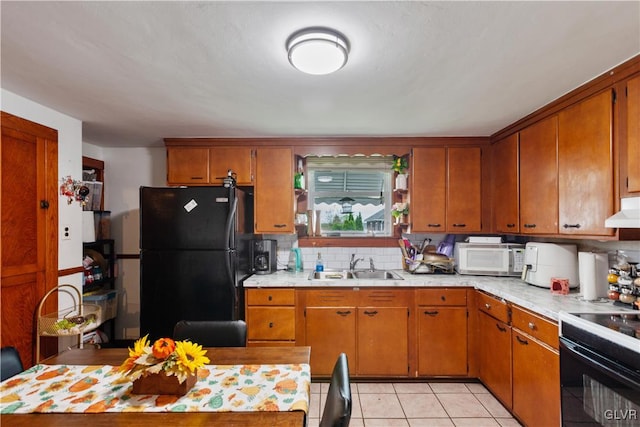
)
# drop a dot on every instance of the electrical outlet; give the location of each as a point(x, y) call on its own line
point(66, 232)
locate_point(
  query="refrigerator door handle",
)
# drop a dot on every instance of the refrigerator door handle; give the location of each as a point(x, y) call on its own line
point(228, 229)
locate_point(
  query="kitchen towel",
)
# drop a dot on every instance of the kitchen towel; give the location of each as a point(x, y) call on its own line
point(592, 269)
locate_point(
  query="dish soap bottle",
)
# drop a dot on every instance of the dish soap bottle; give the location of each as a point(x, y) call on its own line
point(319, 263)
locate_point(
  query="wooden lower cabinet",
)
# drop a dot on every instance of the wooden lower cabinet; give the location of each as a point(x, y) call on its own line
point(330, 331)
point(494, 354)
point(382, 341)
point(270, 316)
point(442, 321)
point(536, 381)
point(370, 325)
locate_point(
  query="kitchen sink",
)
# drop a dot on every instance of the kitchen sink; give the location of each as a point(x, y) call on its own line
point(362, 274)
point(330, 275)
point(378, 275)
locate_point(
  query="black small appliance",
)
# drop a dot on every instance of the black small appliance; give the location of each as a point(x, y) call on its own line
point(264, 256)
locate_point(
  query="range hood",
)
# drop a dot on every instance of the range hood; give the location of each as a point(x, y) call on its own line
point(629, 215)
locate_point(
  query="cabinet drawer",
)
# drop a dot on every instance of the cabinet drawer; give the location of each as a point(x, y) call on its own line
point(265, 323)
point(441, 296)
point(271, 297)
point(384, 298)
point(493, 306)
point(330, 297)
point(536, 326)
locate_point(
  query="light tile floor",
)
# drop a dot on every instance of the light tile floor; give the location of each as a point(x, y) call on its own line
point(432, 404)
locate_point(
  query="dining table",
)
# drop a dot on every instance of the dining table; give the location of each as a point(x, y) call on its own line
point(220, 358)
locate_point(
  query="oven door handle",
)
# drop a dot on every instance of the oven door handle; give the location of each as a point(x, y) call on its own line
point(610, 368)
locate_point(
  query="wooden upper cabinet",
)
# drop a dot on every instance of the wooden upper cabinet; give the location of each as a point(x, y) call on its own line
point(428, 190)
point(585, 166)
point(539, 177)
point(464, 189)
point(187, 166)
point(274, 194)
point(505, 185)
point(238, 159)
point(633, 134)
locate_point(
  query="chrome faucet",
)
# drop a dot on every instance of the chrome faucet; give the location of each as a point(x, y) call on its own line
point(353, 262)
point(371, 266)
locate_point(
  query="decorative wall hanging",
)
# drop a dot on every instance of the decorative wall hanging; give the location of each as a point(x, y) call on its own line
point(74, 190)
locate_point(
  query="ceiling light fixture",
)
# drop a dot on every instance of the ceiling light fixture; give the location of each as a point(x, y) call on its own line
point(317, 51)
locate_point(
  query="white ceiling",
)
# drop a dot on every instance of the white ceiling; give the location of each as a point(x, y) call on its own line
point(137, 72)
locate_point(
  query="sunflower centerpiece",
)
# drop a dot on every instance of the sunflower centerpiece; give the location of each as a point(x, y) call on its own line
point(167, 363)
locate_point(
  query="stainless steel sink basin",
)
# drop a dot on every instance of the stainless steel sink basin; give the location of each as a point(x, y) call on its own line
point(330, 275)
point(363, 274)
point(378, 275)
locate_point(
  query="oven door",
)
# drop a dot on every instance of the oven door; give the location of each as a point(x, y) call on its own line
point(597, 391)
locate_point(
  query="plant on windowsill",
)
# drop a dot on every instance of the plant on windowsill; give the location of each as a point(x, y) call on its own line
point(166, 367)
point(400, 166)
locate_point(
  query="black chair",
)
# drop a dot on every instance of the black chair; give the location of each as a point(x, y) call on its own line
point(212, 333)
point(337, 408)
point(10, 363)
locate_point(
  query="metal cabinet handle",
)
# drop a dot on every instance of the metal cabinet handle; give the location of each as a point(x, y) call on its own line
point(343, 313)
point(431, 313)
point(371, 313)
point(196, 177)
point(433, 225)
point(521, 341)
point(271, 324)
point(571, 226)
point(270, 297)
point(279, 225)
point(459, 225)
point(501, 328)
point(487, 306)
point(532, 326)
point(443, 298)
point(510, 225)
point(529, 226)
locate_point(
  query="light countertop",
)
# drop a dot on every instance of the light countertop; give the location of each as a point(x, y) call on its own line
point(539, 300)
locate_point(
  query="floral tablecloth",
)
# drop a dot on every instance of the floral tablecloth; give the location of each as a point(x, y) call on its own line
point(95, 389)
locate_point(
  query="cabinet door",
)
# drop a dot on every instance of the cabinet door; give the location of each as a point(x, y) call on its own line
point(271, 324)
point(495, 357)
point(187, 165)
point(539, 178)
point(274, 190)
point(633, 134)
point(428, 194)
point(238, 159)
point(536, 382)
point(585, 166)
point(442, 341)
point(505, 185)
point(464, 189)
point(330, 331)
point(383, 341)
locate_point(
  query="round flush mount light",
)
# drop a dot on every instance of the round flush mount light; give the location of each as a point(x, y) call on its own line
point(317, 51)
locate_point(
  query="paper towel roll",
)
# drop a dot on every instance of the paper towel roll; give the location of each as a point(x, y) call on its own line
point(88, 227)
point(592, 269)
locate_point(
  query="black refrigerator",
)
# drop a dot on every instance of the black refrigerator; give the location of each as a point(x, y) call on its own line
point(194, 255)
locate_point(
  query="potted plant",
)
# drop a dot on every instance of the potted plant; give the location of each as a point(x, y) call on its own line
point(399, 210)
point(400, 166)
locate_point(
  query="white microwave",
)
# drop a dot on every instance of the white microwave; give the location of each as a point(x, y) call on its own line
point(491, 259)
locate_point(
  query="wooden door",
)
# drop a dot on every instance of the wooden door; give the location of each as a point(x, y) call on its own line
point(187, 166)
point(28, 249)
point(238, 159)
point(442, 341)
point(585, 166)
point(539, 177)
point(428, 190)
point(495, 357)
point(383, 341)
point(633, 134)
point(330, 331)
point(464, 189)
point(536, 382)
point(274, 190)
point(505, 185)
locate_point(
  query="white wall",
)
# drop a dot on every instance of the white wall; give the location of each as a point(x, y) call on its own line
point(126, 169)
